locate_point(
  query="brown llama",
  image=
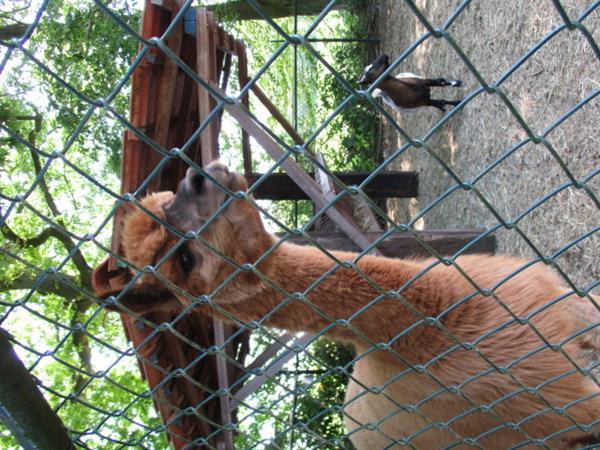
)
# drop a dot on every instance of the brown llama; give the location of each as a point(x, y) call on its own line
point(432, 328)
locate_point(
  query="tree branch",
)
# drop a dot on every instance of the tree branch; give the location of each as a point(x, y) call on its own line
point(35, 241)
point(37, 165)
point(81, 344)
point(13, 30)
point(78, 259)
point(52, 284)
point(55, 283)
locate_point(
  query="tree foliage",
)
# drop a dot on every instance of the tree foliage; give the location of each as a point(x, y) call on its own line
point(54, 324)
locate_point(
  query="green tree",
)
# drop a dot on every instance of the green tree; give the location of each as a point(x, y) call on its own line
point(50, 207)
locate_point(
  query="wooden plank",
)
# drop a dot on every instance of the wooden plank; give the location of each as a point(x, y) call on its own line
point(164, 108)
point(270, 352)
point(326, 188)
point(296, 173)
point(257, 382)
point(223, 384)
point(280, 186)
point(288, 127)
point(405, 245)
point(206, 69)
point(243, 78)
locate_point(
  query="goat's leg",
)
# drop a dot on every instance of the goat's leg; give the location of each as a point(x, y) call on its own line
point(442, 82)
point(441, 104)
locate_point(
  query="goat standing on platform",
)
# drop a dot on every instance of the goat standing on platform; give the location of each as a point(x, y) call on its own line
point(488, 361)
point(406, 90)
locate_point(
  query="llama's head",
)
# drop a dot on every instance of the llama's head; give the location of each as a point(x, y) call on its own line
point(234, 230)
point(374, 70)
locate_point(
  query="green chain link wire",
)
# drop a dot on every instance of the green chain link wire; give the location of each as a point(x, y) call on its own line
point(495, 88)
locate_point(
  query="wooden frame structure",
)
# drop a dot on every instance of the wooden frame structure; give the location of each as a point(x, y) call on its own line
point(167, 106)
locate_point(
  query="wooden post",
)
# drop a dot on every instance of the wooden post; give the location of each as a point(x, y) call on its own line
point(206, 68)
point(243, 78)
point(226, 436)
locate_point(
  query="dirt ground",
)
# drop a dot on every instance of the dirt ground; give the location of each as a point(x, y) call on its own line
point(494, 35)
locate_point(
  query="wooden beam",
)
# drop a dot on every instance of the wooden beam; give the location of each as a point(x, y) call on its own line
point(227, 437)
point(164, 109)
point(243, 79)
point(296, 173)
point(405, 245)
point(270, 352)
point(280, 186)
point(257, 382)
point(274, 111)
point(206, 68)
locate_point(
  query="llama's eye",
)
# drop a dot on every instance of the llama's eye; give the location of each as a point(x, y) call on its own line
point(187, 260)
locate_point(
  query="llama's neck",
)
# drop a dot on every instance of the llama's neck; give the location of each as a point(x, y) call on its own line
point(329, 293)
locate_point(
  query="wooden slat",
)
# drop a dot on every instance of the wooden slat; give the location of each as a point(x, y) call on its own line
point(270, 352)
point(257, 382)
point(223, 381)
point(405, 245)
point(296, 173)
point(243, 78)
point(165, 99)
point(206, 69)
point(280, 186)
point(288, 127)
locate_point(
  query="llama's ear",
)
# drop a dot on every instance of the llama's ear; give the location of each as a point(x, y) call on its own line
point(238, 183)
point(241, 209)
point(243, 212)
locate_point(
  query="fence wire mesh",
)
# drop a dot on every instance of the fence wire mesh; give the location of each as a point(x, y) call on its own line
point(128, 419)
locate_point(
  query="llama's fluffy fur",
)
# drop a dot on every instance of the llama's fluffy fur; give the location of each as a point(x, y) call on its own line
point(534, 292)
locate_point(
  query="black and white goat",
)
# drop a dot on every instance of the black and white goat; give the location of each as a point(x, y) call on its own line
point(406, 90)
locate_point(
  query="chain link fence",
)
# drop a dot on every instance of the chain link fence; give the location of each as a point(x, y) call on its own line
point(131, 411)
